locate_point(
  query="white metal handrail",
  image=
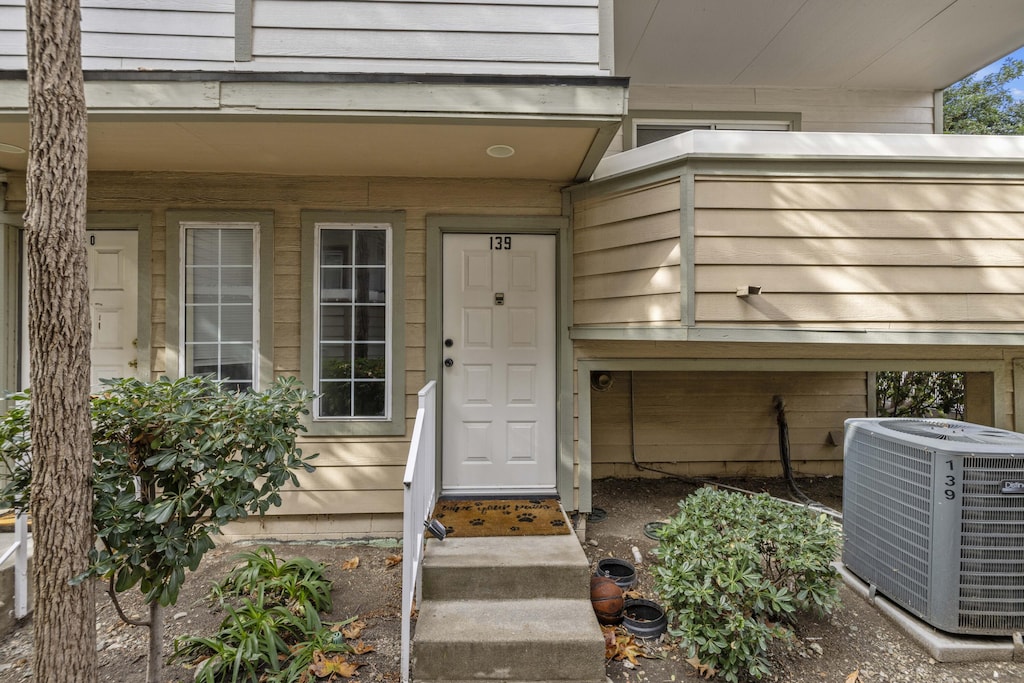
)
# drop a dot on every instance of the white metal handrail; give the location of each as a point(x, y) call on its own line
point(20, 551)
point(420, 495)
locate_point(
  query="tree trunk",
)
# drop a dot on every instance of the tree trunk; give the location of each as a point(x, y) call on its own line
point(64, 620)
point(156, 643)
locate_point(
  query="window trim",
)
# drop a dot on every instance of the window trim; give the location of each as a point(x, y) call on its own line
point(318, 230)
point(263, 287)
point(395, 346)
point(254, 227)
point(706, 118)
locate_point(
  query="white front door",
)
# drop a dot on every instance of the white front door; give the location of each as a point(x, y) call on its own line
point(498, 397)
point(113, 299)
point(113, 272)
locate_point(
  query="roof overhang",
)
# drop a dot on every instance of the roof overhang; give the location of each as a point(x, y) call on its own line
point(867, 44)
point(309, 124)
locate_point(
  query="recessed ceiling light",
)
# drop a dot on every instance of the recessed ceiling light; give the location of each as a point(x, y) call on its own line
point(11, 149)
point(500, 151)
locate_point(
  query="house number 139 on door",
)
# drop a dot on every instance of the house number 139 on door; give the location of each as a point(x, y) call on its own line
point(501, 242)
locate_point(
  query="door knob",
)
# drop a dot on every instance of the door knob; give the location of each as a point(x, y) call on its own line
point(448, 362)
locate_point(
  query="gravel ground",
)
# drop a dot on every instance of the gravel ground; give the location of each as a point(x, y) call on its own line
point(857, 644)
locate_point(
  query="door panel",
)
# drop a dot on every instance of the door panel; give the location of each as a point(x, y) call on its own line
point(498, 393)
point(113, 300)
point(113, 303)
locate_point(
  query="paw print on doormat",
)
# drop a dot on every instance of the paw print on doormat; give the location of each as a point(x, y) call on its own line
point(476, 522)
point(513, 528)
point(557, 522)
point(526, 517)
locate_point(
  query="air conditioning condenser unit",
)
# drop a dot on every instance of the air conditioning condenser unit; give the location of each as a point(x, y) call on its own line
point(933, 518)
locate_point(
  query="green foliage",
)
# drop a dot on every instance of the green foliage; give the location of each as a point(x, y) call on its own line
point(298, 584)
point(735, 569)
point(984, 106)
point(269, 633)
point(920, 394)
point(173, 462)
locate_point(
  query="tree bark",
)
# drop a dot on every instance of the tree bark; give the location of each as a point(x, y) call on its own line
point(155, 665)
point(64, 619)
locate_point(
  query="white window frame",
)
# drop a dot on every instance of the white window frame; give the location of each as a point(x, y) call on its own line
point(254, 227)
point(389, 383)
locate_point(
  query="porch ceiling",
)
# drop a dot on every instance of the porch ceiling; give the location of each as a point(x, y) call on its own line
point(297, 124)
point(872, 44)
point(324, 147)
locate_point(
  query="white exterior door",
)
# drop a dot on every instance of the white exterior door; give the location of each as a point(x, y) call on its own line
point(113, 302)
point(498, 398)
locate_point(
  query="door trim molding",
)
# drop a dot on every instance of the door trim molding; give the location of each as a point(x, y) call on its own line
point(437, 226)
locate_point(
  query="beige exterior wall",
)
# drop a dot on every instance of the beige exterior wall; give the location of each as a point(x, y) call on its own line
point(626, 257)
point(836, 256)
point(704, 409)
point(886, 253)
point(358, 478)
point(722, 423)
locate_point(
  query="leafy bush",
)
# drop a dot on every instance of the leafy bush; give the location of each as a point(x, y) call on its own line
point(173, 462)
point(735, 569)
point(920, 394)
point(272, 631)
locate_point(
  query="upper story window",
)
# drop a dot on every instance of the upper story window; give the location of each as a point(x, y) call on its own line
point(352, 320)
point(647, 127)
point(219, 295)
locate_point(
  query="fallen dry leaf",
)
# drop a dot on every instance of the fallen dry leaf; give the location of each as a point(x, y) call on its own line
point(619, 644)
point(392, 560)
point(632, 595)
point(329, 667)
point(361, 648)
point(353, 630)
point(702, 669)
point(350, 564)
point(853, 677)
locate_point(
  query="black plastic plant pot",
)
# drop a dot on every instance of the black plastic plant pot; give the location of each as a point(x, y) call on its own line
point(644, 618)
point(622, 572)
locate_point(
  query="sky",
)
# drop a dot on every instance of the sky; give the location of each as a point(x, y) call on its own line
point(1016, 87)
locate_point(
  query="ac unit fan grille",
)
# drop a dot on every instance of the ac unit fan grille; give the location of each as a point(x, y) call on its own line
point(991, 548)
point(951, 430)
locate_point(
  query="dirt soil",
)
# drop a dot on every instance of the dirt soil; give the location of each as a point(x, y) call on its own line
point(858, 638)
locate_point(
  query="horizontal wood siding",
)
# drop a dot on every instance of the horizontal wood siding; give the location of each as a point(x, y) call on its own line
point(829, 252)
point(395, 36)
point(354, 476)
point(626, 257)
point(422, 36)
point(722, 423)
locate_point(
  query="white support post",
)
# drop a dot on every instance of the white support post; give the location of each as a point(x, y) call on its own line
point(21, 565)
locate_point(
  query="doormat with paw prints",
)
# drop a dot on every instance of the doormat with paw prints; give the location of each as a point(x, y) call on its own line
point(502, 517)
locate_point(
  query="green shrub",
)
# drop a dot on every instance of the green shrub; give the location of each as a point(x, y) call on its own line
point(173, 462)
point(734, 570)
point(272, 630)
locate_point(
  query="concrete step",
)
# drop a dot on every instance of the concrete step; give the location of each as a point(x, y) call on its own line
point(506, 568)
point(533, 640)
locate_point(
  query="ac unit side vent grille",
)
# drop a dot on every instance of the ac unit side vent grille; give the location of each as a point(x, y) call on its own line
point(890, 522)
